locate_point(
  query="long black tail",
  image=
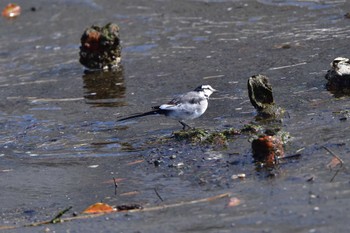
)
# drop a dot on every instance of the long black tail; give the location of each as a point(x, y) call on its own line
point(153, 112)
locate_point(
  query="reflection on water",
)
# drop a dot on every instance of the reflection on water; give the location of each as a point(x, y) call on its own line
point(105, 88)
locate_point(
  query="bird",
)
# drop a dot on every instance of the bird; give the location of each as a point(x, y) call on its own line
point(341, 65)
point(187, 106)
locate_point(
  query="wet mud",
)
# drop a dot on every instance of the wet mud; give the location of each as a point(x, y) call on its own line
point(61, 144)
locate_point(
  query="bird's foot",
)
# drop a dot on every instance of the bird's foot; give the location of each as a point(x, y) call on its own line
point(184, 126)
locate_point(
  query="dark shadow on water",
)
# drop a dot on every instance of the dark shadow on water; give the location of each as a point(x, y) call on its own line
point(104, 88)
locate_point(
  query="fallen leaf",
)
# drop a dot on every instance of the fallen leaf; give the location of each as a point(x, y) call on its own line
point(234, 201)
point(99, 208)
point(11, 10)
point(334, 162)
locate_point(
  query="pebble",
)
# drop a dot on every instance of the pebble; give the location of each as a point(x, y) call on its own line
point(238, 176)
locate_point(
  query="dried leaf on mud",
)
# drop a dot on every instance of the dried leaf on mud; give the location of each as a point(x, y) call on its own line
point(98, 208)
point(11, 10)
point(234, 201)
point(334, 162)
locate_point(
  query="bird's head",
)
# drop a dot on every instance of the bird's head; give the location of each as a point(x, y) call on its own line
point(206, 89)
point(338, 60)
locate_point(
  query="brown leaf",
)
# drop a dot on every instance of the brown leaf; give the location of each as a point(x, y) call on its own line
point(334, 162)
point(234, 201)
point(11, 10)
point(98, 208)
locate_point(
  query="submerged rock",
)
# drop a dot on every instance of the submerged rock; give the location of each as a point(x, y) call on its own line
point(100, 47)
point(339, 76)
point(261, 97)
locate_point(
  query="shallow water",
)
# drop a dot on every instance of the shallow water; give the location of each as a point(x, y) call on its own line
point(62, 146)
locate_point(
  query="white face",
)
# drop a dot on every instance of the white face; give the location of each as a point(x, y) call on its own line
point(207, 89)
point(341, 65)
point(338, 60)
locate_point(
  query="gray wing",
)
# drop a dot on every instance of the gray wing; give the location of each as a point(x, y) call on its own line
point(190, 97)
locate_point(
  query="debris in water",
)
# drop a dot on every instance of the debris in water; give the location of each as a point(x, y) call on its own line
point(57, 218)
point(100, 47)
point(234, 201)
point(267, 149)
point(129, 207)
point(98, 208)
point(238, 176)
point(12, 10)
point(261, 97)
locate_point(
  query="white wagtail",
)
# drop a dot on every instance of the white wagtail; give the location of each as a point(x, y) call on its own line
point(341, 66)
point(187, 106)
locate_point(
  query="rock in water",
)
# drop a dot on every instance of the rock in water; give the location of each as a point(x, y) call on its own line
point(261, 97)
point(100, 47)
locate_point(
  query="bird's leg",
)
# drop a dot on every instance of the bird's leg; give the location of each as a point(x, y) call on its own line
point(185, 125)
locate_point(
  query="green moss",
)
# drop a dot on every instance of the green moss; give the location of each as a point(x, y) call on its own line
point(191, 135)
point(230, 132)
point(251, 128)
point(217, 139)
point(204, 137)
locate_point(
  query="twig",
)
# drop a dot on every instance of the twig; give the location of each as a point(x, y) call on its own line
point(335, 174)
point(185, 203)
point(160, 198)
point(288, 66)
point(115, 186)
point(57, 219)
point(87, 216)
point(46, 100)
point(289, 157)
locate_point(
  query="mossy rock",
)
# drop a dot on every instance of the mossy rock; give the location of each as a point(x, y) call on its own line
point(191, 135)
point(216, 138)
